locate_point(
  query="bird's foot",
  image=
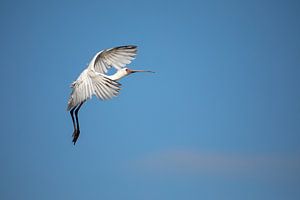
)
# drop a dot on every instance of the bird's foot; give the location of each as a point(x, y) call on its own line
point(75, 135)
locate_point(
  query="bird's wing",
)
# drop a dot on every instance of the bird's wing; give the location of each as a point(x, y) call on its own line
point(92, 83)
point(105, 88)
point(117, 57)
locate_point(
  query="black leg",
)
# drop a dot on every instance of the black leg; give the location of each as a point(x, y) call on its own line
point(77, 129)
point(72, 115)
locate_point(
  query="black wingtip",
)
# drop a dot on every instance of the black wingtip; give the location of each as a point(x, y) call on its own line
point(132, 46)
point(127, 47)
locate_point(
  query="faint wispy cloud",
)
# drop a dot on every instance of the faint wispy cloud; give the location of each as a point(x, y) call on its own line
point(204, 163)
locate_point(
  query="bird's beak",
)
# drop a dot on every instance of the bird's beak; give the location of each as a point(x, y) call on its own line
point(134, 71)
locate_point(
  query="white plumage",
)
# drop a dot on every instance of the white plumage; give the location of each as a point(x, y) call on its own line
point(94, 80)
point(117, 57)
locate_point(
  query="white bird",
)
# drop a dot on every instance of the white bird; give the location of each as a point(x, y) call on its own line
point(94, 80)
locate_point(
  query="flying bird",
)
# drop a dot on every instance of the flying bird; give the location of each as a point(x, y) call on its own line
point(94, 80)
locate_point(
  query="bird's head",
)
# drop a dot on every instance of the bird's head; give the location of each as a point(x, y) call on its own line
point(125, 72)
point(131, 71)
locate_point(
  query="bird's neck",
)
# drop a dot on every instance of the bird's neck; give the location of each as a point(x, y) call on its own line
point(117, 76)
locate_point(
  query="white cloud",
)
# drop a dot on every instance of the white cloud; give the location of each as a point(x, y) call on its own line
point(190, 162)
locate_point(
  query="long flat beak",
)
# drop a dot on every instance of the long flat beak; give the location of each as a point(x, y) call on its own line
point(133, 71)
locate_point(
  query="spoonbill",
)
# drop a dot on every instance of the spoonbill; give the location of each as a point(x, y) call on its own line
point(94, 80)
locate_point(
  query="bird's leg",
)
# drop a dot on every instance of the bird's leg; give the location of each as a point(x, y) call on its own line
point(77, 129)
point(72, 115)
point(74, 124)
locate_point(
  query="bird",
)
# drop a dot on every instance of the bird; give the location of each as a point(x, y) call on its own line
point(95, 80)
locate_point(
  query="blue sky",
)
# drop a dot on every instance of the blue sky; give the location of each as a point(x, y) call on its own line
point(218, 120)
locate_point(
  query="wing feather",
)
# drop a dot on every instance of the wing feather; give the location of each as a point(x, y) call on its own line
point(91, 83)
point(117, 57)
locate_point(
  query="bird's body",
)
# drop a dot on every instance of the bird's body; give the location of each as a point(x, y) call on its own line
point(94, 80)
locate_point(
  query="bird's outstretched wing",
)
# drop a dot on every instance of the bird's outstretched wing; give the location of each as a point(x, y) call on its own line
point(117, 57)
point(92, 83)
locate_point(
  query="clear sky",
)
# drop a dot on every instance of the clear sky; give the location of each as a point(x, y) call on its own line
point(220, 119)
